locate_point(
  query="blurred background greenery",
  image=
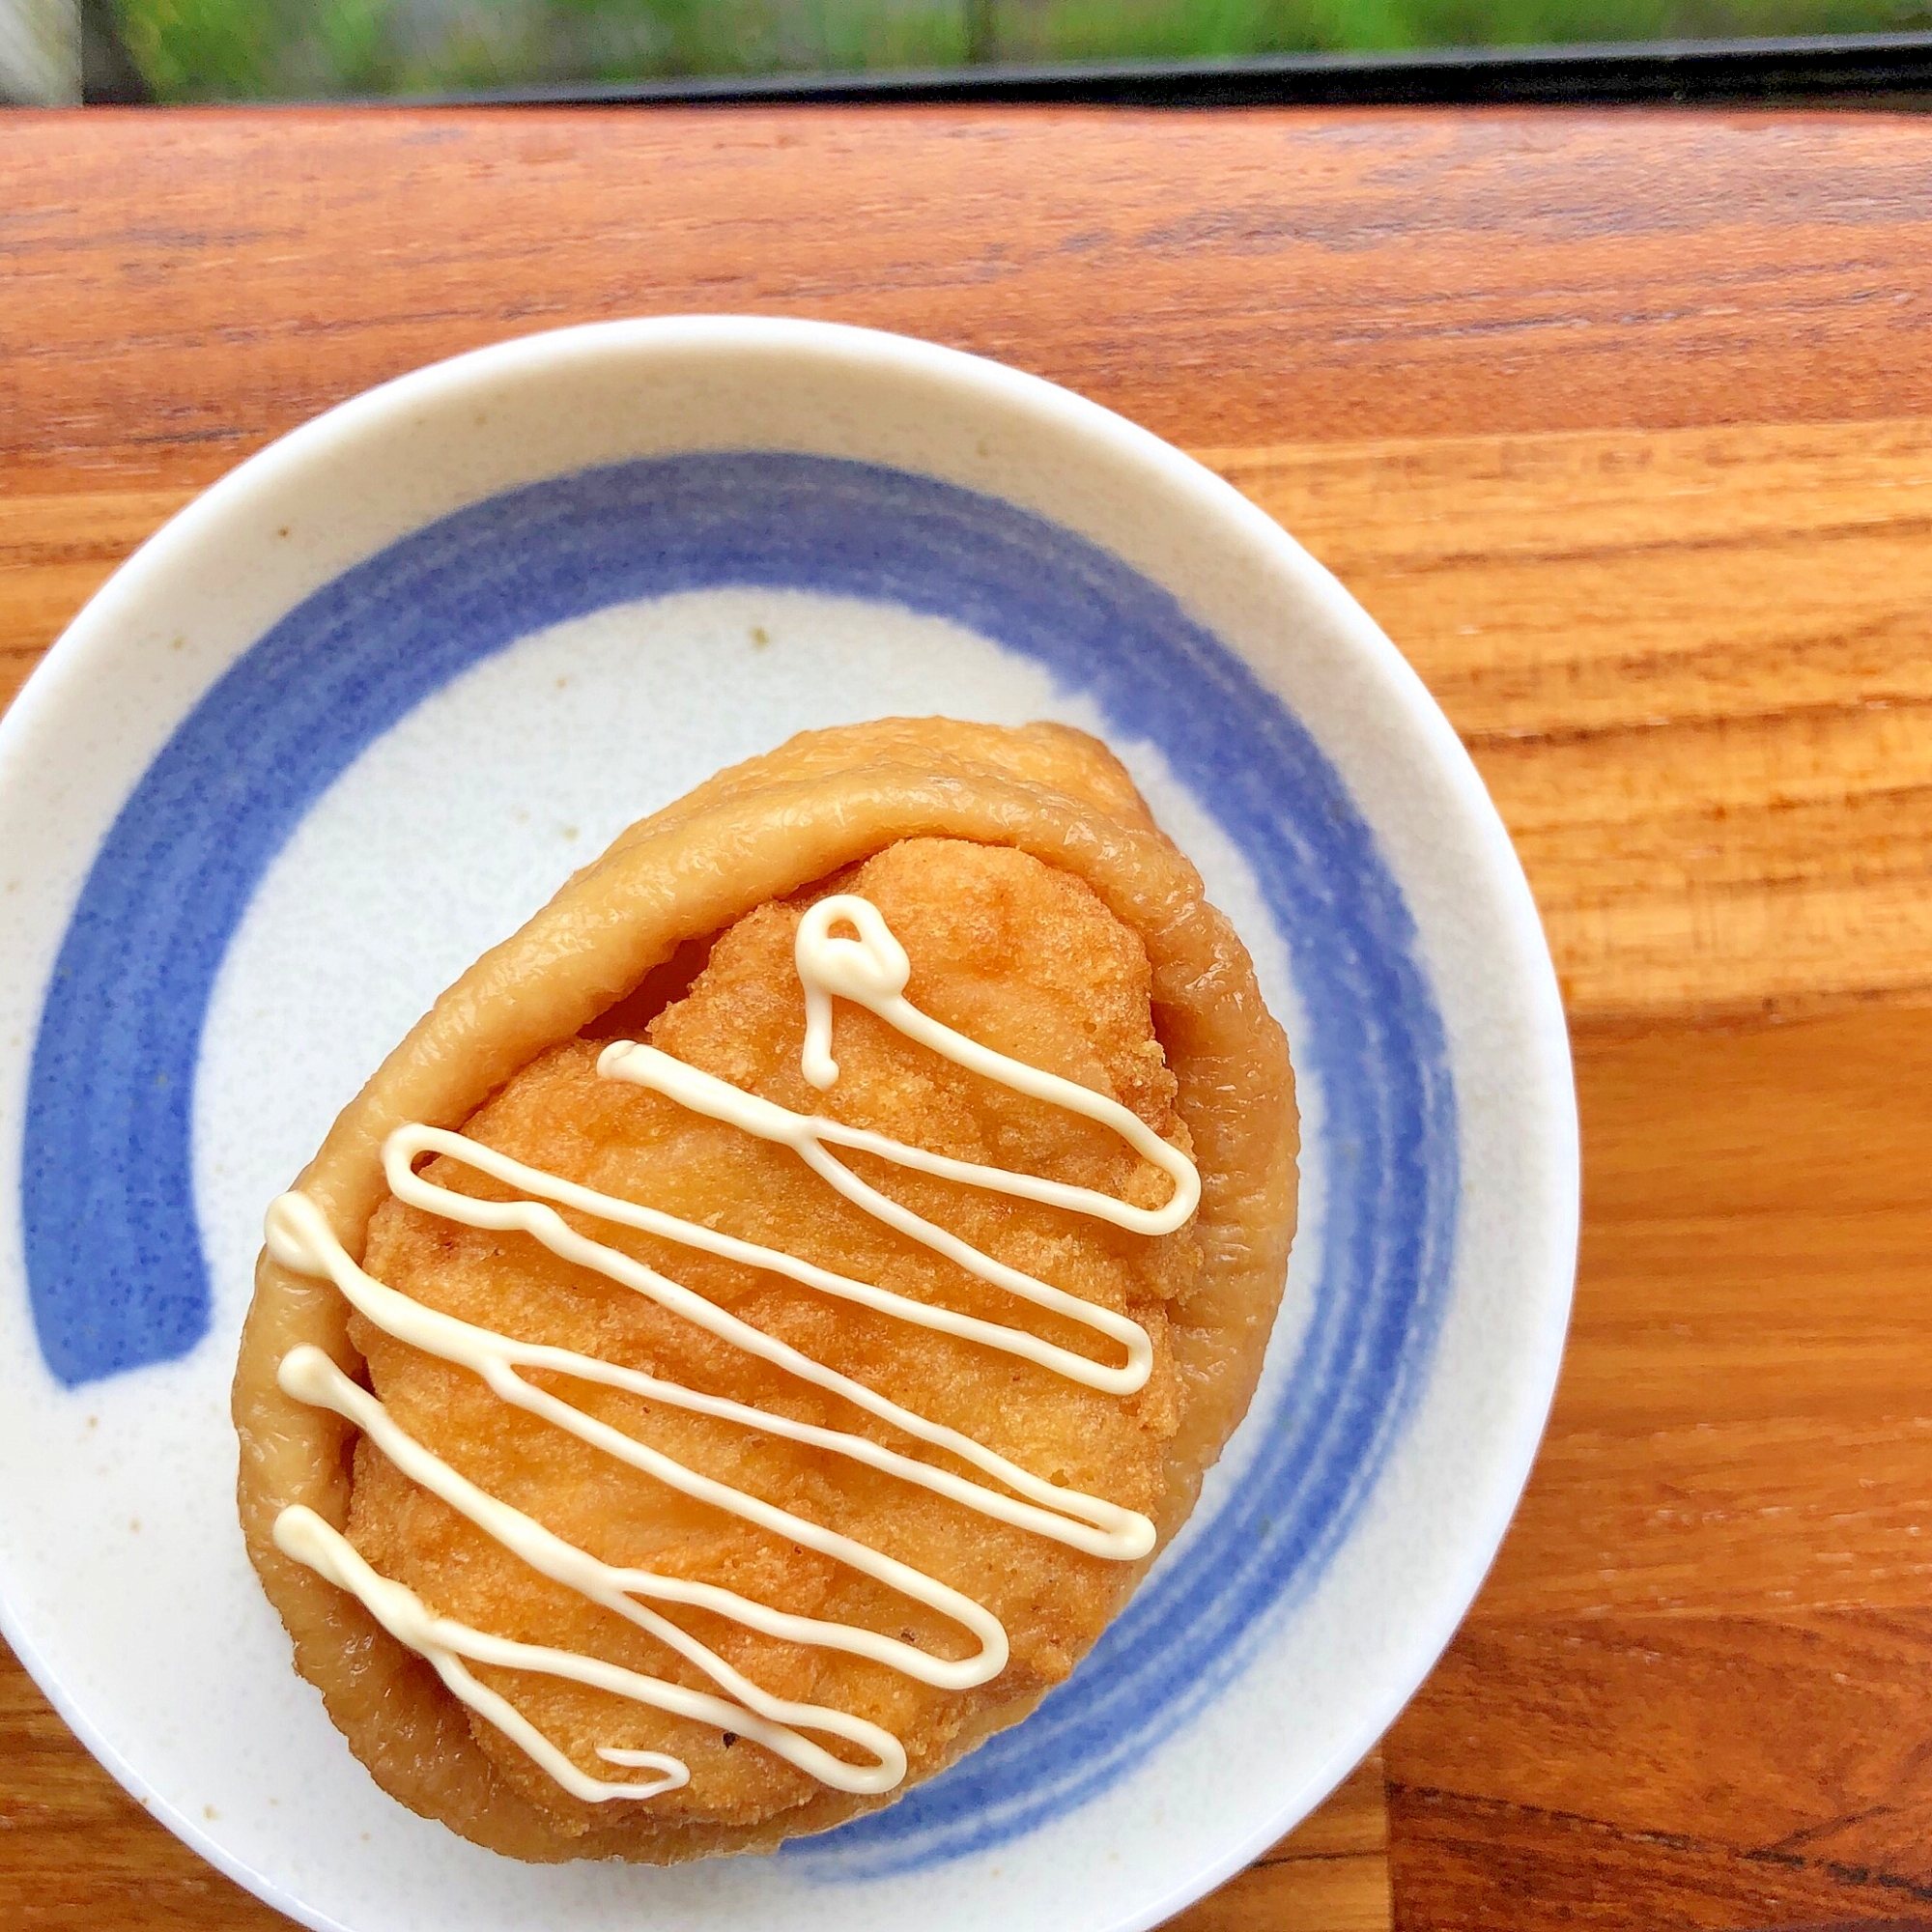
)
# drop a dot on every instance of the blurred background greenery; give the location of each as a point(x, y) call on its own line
point(241, 49)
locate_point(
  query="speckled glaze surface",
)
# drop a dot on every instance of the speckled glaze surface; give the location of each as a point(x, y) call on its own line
point(353, 715)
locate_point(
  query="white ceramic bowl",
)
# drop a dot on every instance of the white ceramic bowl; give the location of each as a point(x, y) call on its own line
point(351, 716)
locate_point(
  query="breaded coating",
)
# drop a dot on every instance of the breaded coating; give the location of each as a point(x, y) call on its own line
point(1004, 948)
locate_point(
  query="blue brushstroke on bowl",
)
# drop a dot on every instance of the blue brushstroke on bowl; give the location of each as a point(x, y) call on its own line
point(115, 1265)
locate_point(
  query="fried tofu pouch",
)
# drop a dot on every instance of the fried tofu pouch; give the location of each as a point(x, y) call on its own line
point(1046, 915)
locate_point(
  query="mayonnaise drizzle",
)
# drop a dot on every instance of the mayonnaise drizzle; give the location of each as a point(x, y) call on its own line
point(872, 971)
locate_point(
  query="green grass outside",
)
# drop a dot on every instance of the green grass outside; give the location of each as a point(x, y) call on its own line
point(244, 49)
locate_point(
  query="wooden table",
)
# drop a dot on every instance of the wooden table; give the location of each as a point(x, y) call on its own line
point(1621, 425)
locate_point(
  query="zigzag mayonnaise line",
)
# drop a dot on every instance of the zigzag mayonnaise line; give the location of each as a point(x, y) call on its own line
point(873, 971)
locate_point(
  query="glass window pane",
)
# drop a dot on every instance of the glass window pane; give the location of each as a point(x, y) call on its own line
point(202, 50)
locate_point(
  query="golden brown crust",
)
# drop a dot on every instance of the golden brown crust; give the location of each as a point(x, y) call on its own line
point(760, 833)
point(1014, 953)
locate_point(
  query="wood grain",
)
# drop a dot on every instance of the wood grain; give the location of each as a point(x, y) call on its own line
point(1695, 1690)
point(55, 552)
point(1622, 426)
point(1692, 668)
point(1330, 1875)
point(181, 287)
